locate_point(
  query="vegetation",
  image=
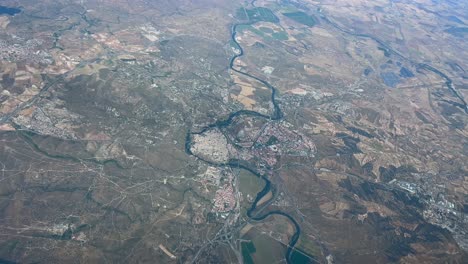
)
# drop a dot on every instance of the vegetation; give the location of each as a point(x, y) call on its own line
point(266, 33)
point(257, 14)
point(302, 18)
point(248, 248)
point(299, 257)
point(267, 250)
point(254, 30)
point(280, 35)
point(267, 30)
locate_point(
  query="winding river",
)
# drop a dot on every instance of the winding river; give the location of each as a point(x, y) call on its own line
point(276, 115)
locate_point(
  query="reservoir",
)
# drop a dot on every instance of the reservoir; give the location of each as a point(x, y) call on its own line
point(4, 10)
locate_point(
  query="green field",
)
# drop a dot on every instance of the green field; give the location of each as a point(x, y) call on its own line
point(302, 18)
point(257, 14)
point(254, 30)
point(299, 257)
point(305, 251)
point(264, 32)
point(249, 184)
point(248, 248)
point(280, 35)
point(267, 250)
point(267, 30)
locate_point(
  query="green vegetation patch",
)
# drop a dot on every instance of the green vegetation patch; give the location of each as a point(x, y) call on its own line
point(299, 257)
point(233, 44)
point(9, 246)
point(254, 30)
point(267, 30)
point(305, 249)
point(289, 9)
point(249, 184)
point(267, 250)
point(302, 18)
point(248, 248)
point(280, 35)
point(257, 14)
